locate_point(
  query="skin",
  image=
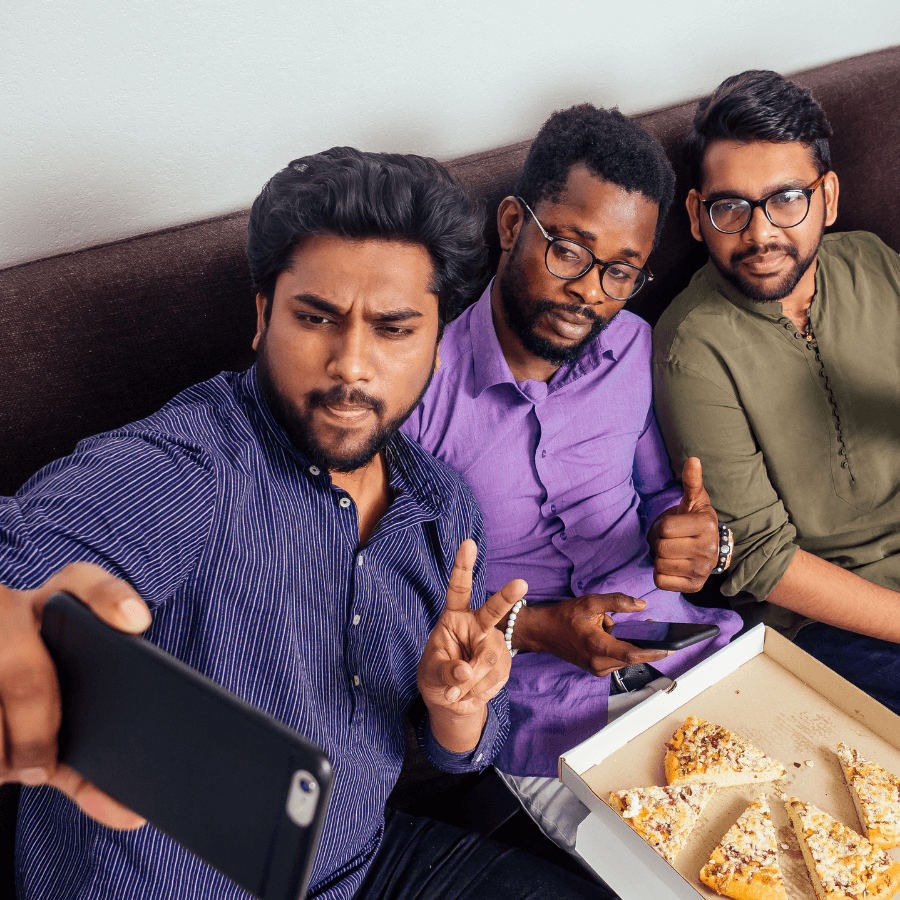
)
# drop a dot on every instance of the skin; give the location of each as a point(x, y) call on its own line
point(764, 256)
point(356, 315)
point(617, 226)
point(811, 586)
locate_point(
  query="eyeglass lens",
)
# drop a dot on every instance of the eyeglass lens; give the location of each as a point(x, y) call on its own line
point(785, 210)
point(566, 259)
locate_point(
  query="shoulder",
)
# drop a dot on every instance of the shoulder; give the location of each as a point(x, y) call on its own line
point(858, 249)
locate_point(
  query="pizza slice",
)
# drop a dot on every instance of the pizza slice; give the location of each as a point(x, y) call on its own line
point(876, 795)
point(842, 864)
point(745, 864)
point(663, 816)
point(703, 752)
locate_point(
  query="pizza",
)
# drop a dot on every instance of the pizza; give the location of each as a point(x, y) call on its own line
point(745, 864)
point(663, 816)
point(876, 795)
point(701, 752)
point(842, 864)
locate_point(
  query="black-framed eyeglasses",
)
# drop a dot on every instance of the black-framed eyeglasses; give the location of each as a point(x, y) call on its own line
point(784, 209)
point(570, 260)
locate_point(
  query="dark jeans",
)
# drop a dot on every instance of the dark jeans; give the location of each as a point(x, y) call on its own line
point(421, 859)
point(869, 663)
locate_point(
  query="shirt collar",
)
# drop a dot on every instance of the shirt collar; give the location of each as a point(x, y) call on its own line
point(491, 367)
point(413, 472)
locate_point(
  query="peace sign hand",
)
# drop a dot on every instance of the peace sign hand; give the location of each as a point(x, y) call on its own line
point(465, 662)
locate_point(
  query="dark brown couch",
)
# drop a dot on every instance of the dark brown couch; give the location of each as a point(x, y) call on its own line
point(106, 335)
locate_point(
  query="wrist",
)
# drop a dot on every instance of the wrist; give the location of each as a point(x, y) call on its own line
point(457, 732)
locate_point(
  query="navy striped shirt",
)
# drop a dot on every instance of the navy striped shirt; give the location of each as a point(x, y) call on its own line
point(249, 559)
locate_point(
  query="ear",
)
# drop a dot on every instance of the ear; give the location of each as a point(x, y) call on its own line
point(437, 358)
point(831, 189)
point(510, 217)
point(693, 209)
point(260, 319)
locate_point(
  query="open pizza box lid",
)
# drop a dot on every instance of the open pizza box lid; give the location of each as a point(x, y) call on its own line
point(766, 690)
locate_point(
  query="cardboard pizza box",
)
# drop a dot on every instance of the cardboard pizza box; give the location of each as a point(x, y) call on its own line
point(765, 689)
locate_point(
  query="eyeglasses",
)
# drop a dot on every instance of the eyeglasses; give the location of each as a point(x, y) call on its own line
point(784, 209)
point(570, 260)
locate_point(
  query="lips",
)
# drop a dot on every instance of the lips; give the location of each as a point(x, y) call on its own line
point(348, 414)
point(569, 325)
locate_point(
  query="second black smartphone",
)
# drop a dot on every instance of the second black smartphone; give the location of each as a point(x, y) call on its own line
point(663, 635)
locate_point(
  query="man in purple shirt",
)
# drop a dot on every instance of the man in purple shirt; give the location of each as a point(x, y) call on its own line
point(542, 402)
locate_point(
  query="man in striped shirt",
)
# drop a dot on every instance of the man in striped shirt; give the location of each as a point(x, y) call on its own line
point(273, 530)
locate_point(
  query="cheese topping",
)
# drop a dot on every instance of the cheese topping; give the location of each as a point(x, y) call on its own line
point(877, 789)
point(845, 861)
point(704, 747)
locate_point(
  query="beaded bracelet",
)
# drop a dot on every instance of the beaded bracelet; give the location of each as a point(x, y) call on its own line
point(726, 548)
point(510, 624)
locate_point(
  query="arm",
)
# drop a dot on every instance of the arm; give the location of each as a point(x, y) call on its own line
point(823, 591)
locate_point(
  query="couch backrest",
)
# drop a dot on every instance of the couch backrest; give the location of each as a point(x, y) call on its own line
point(101, 337)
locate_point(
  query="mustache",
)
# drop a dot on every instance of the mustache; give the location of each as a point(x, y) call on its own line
point(343, 395)
point(759, 250)
point(574, 309)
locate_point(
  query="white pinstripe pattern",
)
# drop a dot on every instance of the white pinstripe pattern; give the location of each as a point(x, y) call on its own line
point(251, 568)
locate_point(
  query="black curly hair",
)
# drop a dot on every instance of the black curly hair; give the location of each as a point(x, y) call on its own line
point(357, 195)
point(757, 105)
point(611, 145)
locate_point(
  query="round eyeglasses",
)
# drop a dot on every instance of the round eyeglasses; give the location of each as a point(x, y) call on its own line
point(784, 209)
point(570, 260)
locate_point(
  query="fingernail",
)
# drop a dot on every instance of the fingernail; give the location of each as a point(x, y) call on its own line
point(135, 613)
point(453, 694)
point(33, 776)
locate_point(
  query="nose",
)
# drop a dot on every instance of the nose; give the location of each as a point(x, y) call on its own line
point(350, 357)
point(759, 230)
point(587, 289)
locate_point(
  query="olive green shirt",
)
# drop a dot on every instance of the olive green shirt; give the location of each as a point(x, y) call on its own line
point(799, 440)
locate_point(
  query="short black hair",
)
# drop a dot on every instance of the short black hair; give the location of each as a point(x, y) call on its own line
point(757, 105)
point(612, 146)
point(356, 195)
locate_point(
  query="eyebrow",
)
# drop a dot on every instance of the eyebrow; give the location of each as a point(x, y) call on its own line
point(401, 314)
point(626, 252)
point(790, 184)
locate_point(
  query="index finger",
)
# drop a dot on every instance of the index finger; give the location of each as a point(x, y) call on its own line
point(499, 605)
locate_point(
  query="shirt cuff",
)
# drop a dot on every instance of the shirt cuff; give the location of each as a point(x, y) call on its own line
point(493, 735)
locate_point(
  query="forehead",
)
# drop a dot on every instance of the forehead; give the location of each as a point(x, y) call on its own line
point(616, 218)
point(755, 169)
point(375, 274)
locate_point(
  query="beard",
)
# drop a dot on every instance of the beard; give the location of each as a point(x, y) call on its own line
point(771, 291)
point(344, 455)
point(522, 313)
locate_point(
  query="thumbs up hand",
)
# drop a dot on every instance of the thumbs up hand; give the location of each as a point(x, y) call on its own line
point(684, 540)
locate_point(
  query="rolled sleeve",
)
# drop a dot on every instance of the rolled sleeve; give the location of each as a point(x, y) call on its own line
point(701, 418)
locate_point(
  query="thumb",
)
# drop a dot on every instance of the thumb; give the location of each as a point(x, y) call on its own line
point(695, 496)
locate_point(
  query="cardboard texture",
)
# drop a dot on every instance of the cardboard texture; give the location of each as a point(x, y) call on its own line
point(768, 691)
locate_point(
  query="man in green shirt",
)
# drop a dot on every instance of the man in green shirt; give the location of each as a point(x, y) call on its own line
point(779, 366)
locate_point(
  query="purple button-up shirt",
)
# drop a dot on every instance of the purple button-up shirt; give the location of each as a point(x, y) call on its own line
point(569, 476)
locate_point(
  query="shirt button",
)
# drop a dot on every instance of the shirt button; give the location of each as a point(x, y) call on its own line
point(315, 470)
point(359, 559)
point(789, 326)
point(543, 453)
point(356, 620)
point(479, 758)
point(552, 507)
point(563, 536)
point(356, 680)
point(580, 585)
point(344, 501)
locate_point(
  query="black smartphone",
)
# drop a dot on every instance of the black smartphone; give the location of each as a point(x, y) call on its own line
point(228, 782)
point(663, 635)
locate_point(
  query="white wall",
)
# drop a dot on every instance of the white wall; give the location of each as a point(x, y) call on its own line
point(118, 118)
